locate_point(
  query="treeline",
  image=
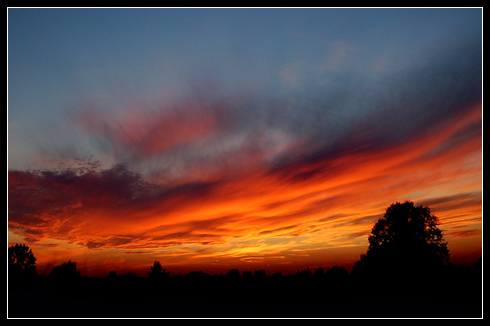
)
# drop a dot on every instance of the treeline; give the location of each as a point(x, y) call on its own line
point(456, 285)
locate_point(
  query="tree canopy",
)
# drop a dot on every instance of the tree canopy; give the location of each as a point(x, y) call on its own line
point(21, 261)
point(405, 240)
point(65, 271)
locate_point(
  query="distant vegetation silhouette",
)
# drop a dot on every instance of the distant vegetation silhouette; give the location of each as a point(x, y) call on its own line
point(156, 272)
point(65, 272)
point(406, 263)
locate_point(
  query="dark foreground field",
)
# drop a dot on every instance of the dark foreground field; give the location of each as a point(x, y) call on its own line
point(55, 307)
point(222, 297)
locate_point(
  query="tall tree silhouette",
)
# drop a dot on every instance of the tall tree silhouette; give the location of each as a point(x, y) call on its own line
point(406, 242)
point(21, 261)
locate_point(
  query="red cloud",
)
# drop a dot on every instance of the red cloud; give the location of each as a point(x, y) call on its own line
point(141, 132)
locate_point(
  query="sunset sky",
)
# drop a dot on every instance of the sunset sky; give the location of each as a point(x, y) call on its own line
point(212, 139)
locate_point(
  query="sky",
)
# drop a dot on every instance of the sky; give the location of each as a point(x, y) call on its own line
point(211, 139)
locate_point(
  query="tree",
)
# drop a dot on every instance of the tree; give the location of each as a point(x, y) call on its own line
point(259, 275)
point(21, 261)
point(66, 272)
point(233, 274)
point(406, 242)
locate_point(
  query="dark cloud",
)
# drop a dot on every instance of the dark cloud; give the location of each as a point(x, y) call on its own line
point(452, 202)
point(463, 233)
point(48, 245)
point(110, 242)
point(445, 199)
point(57, 202)
point(63, 193)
